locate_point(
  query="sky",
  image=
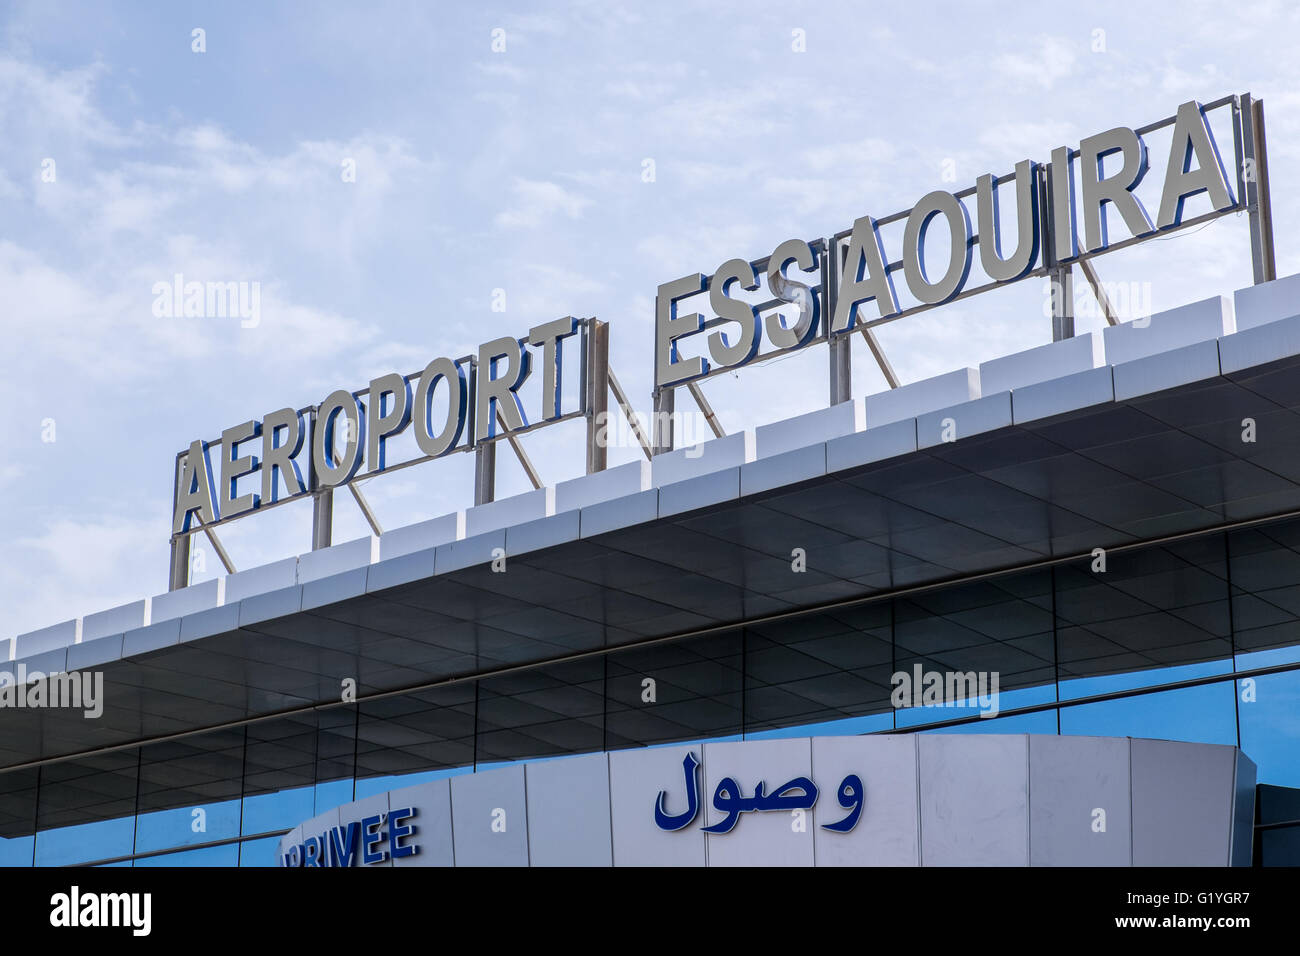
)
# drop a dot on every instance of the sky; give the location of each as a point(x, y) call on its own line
point(500, 156)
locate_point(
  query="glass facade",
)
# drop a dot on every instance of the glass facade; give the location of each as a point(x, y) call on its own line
point(1197, 640)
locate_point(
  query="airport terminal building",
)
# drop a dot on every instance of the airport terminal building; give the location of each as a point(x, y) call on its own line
point(1043, 611)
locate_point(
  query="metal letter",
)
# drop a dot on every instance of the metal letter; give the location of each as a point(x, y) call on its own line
point(934, 204)
point(1117, 189)
point(788, 290)
point(865, 277)
point(548, 336)
point(322, 440)
point(278, 460)
point(496, 393)
point(233, 468)
point(381, 424)
point(195, 491)
point(440, 369)
point(1192, 137)
point(999, 267)
point(1060, 189)
point(725, 353)
point(669, 326)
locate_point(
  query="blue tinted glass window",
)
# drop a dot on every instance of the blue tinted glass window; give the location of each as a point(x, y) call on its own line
point(1269, 710)
point(227, 855)
point(331, 794)
point(85, 843)
point(1149, 609)
point(267, 812)
point(1203, 714)
point(991, 704)
point(189, 790)
point(17, 851)
point(374, 785)
point(182, 826)
point(817, 669)
point(867, 724)
point(1265, 563)
point(258, 852)
point(17, 816)
point(280, 773)
point(1039, 722)
point(86, 808)
point(1153, 677)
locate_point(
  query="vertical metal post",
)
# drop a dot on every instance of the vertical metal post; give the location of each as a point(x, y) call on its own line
point(178, 575)
point(322, 519)
point(840, 347)
point(1255, 177)
point(322, 504)
point(485, 473)
point(597, 395)
point(180, 567)
point(663, 424)
point(1062, 302)
point(1059, 274)
point(485, 453)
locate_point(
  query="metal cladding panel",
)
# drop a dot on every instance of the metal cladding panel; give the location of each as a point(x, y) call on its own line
point(1266, 302)
point(889, 831)
point(1182, 803)
point(974, 800)
point(1243, 811)
point(635, 778)
point(975, 417)
point(372, 806)
point(1070, 780)
point(781, 838)
point(489, 815)
point(433, 820)
point(315, 831)
point(1054, 360)
point(936, 800)
point(568, 812)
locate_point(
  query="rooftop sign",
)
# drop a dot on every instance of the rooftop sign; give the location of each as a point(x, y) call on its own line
point(1060, 215)
point(806, 291)
point(452, 405)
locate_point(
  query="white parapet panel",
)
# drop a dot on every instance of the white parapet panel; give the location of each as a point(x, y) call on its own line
point(601, 486)
point(1267, 302)
point(811, 428)
point(1186, 325)
point(495, 515)
point(348, 556)
point(1042, 364)
point(717, 454)
point(1061, 395)
point(422, 536)
point(927, 395)
point(178, 603)
point(1260, 345)
point(262, 579)
point(986, 414)
point(47, 638)
point(117, 620)
point(1155, 373)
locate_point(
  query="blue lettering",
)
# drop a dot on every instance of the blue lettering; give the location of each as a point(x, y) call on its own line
point(396, 831)
point(372, 829)
point(343, 844)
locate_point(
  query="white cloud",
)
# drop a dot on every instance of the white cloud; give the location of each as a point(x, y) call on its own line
point(1051, 60)
point(536, 201)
